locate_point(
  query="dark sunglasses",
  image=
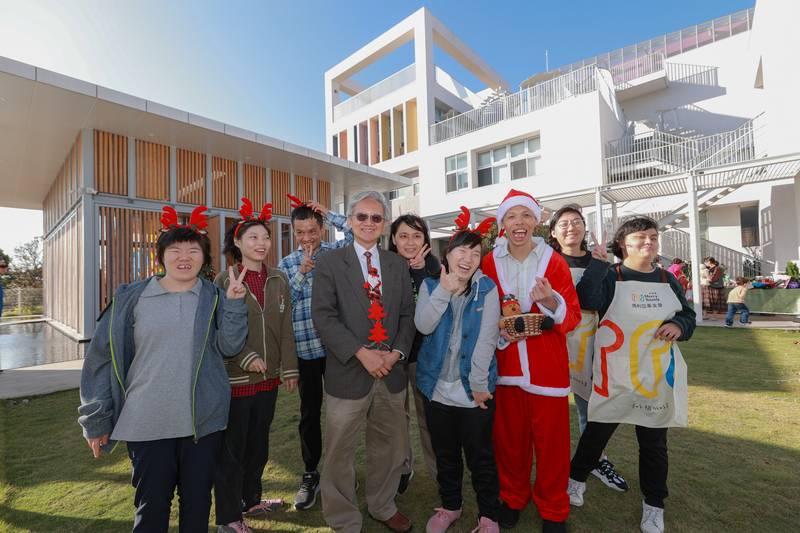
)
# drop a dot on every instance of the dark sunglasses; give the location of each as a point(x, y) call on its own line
point(362, 217)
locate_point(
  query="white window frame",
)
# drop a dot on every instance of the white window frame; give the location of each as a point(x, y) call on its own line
point(508, 160)
point(457, 171)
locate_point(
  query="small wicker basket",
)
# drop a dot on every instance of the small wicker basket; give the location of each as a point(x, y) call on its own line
point(524, 325)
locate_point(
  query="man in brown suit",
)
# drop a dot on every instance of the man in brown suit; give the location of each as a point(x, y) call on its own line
point(361, 383)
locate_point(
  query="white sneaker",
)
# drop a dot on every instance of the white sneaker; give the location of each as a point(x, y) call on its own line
point(575, 489)
point(652, 519)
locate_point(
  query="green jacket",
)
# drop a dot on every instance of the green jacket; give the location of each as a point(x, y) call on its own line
point(270, 335)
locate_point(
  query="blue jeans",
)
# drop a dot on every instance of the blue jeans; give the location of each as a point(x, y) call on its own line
point(740, 308)
point(582, 407)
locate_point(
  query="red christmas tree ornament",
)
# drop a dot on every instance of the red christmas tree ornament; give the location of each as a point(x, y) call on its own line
point(378, 333)
point(376, 311)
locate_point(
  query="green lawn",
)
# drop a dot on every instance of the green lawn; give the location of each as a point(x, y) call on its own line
point(736, 468)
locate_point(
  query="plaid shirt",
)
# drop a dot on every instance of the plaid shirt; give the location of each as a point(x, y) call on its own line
point(307, 341)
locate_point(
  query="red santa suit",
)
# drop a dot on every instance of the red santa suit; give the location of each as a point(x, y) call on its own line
point(532, 409)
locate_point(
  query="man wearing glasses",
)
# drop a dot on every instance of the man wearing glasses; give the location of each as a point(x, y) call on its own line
point(363, 308)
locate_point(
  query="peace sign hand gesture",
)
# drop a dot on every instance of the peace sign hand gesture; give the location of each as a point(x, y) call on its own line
point(599, 250)
point(236, 288)
point(307, 264)
point(418, 261)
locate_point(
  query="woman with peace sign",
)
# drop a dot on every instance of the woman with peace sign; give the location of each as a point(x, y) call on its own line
point(255, 373)
point(153, 376)
point(411, 241)
point(568, 237)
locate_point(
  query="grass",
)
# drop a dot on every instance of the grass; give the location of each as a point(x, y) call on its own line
point(734, 469)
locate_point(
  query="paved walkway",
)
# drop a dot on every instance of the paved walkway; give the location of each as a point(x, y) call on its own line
point(41, 379)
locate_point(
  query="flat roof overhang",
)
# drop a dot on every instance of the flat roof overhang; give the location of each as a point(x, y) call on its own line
point(41, 113)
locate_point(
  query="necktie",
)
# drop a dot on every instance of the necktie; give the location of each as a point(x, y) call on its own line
point(373, 291)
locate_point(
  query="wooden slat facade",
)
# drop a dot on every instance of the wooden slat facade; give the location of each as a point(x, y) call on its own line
point(255, 185)
point(126, 248)
point(304, 188)
point(64, 272)
point(324, 193)
point(281, 186)
point(152, 171)
point(224, 178)
point(191, 177)
point(110, 163)
point(64, 191)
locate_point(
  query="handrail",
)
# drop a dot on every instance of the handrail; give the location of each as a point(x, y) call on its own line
point(732, 260)
point(526, 101)
point(399, 79)
point(741, 147)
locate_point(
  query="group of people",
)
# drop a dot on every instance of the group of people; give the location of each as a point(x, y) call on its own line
point(187, 372)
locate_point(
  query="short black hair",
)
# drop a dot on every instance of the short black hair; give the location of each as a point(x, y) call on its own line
point(677, 261)
point(175, 235)
point(304, 212)
point(230, 246)
point(413, 222)
point(633, 224)
point(569, 208)
point(463, 238)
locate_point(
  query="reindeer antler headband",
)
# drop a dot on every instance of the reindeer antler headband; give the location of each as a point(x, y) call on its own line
point(247, 214)
point(462, 224)
point(198, 221)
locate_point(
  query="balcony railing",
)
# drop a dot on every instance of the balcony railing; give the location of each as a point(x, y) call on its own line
point(675, 243)
point(399, 79)
point(658, 153)
point(668, 45)
point(526, 101)
point(623, 74)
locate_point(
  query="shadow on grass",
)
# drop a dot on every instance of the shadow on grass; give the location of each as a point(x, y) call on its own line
point(30, 521)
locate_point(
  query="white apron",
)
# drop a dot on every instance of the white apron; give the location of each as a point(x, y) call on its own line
point(637, 378)
point(580, 346)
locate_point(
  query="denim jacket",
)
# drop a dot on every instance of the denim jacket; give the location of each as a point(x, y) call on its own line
point(435, 346)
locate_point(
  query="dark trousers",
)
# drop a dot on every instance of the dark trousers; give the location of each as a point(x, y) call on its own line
point(160, 466)
point(737, 308)
point(653, 460)
point(245, 452)
point(454, 429)
point(311, 394)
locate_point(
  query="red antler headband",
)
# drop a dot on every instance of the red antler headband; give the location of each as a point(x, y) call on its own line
point(462, 223)
point(198, 221)
point(295, 201)
point(247, 214)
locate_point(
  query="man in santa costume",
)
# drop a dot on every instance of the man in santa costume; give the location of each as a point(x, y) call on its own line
point(533, 372)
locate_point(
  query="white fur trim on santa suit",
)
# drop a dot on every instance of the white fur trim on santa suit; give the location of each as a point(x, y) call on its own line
point(515, 198)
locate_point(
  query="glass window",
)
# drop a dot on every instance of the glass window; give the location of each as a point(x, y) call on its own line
point(533, 164)
point(456, 172)
point(485, 177)
point(451, 182)
point(534, 145)
point(416, 189)
point(500, 173)
point(518, 169)
point(484, 159)
point(517, 149)
point(499, 154)
point(463, 181)
point(461, 161)
point(451, 163)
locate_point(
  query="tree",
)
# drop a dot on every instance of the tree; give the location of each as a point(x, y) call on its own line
point(27, 271)
point(5, 257)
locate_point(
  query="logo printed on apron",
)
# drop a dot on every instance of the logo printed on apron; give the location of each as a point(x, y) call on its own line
point(580, 347)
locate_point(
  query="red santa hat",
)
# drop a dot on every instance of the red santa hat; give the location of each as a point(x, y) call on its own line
point(515, 198)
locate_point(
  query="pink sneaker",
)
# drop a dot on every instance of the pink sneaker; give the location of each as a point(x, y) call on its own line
point(486, 525)
point(264, 507)
point(443, 519)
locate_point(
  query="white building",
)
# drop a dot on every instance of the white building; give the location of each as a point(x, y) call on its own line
point(694, 128)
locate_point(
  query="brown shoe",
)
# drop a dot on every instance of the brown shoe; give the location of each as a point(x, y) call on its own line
point(398, 523)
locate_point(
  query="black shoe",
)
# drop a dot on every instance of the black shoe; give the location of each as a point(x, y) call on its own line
point(307, 495)
point(507, 517)
point(553, 527)
point(605, 472)
point(405, 479)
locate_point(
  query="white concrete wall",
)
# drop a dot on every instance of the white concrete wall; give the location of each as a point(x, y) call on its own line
point(718, 109)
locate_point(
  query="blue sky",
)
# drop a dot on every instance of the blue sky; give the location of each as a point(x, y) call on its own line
point(259, 65)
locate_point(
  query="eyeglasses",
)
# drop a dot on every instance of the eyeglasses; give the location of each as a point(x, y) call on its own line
point(375, 219)
point(575, 223)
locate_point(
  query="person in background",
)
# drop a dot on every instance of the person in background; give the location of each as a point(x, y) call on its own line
point(3, 271)
point(255, 373)
point(308, 219)
point(713, 293)
point(736, 303)
point(410, 239)
point(458, 313)
point(677, 269)
point(568, 237)
point(154, 377)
